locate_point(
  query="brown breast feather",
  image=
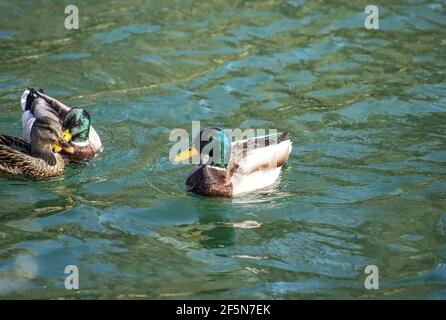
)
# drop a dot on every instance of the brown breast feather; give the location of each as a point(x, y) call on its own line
point(209, 181)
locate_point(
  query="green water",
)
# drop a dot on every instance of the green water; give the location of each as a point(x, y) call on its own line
point(365, 182)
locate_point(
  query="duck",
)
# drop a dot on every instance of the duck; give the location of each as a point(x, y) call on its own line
point(75, 122)
point(237, 167)
point(38, 158)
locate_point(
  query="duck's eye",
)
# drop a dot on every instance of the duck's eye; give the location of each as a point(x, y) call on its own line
point(77, 122)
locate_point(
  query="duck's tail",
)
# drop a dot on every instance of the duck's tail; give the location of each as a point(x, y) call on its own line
point(28, 96)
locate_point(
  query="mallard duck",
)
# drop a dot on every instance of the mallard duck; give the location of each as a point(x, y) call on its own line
point(38, 158)
point(74, 121)
point(237, 167)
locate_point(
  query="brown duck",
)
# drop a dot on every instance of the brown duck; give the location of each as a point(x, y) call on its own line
point(39, 158)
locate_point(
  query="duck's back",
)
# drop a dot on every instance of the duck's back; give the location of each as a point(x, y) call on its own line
point(13, 154)
point(257, 167)
point(16, 159)
point(33, 109)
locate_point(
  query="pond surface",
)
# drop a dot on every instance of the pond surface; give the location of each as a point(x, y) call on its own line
point(364, 185)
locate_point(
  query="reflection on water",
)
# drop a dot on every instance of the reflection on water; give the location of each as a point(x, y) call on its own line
point(364, 183)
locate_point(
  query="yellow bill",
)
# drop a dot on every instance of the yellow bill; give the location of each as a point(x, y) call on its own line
point(69, 149)
point(66, 135)
point(61, 143)
point(189, 153)
point(56, 147)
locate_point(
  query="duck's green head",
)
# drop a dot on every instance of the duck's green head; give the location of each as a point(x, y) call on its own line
point(213, 146)
point(77, 122)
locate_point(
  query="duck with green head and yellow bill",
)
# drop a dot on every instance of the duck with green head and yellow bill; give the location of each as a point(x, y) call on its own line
point(75, 122)
point(229, 168)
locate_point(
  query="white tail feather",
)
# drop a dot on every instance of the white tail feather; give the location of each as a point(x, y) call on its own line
point(23, 99)
point(27, 124)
